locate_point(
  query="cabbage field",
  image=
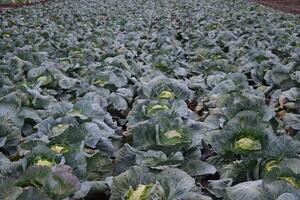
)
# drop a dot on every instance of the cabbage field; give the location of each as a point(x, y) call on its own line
point(149, 100)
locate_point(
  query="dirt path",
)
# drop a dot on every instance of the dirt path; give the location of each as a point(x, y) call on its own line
point(290, 6)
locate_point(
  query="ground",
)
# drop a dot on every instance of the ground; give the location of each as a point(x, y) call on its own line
point(291, 6)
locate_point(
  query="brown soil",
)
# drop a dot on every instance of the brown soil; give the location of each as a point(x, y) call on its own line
point(290, 6)
point(18, 5)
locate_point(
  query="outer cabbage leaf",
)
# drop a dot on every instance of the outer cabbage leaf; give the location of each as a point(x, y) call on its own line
point(165, 88)
point(173, 183)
